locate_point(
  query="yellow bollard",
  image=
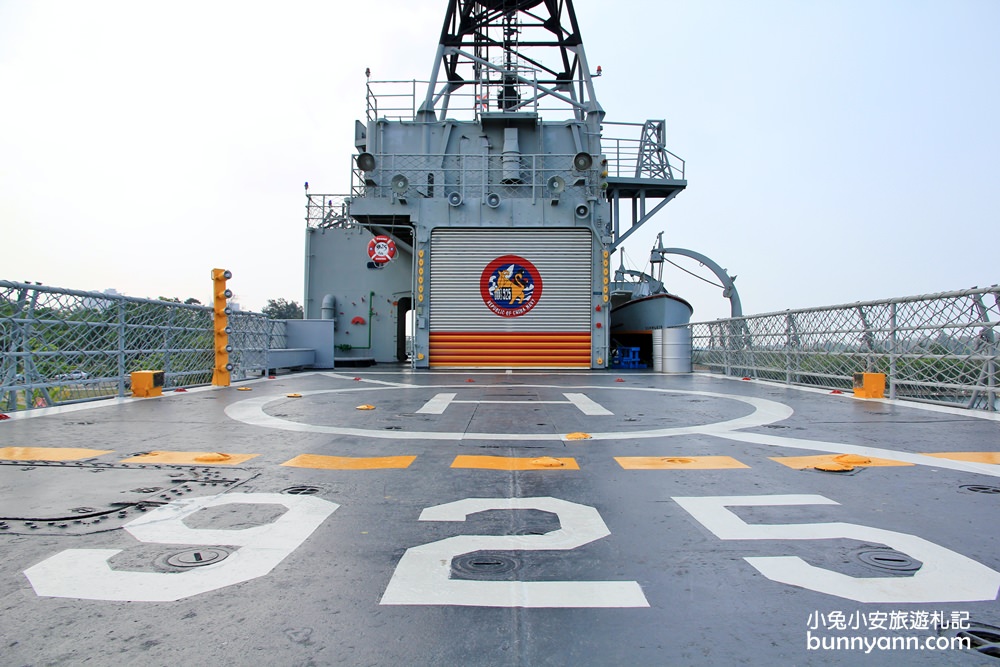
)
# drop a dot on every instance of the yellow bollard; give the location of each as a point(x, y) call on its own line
point(869, 385)
point(146, 384)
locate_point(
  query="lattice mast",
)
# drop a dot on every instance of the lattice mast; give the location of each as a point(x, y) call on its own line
point(516, 56)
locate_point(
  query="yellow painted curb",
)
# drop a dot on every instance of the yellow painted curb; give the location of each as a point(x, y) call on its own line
point(215, 457)
point(49, 453)
point(512, 463)
point(320, 462)
point(191, 458)
point(678, 462)
point(834, 462)
point(973, 457)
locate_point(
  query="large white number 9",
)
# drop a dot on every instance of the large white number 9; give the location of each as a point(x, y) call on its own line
point(423, 574)
point(86, 574)
point(946, 576)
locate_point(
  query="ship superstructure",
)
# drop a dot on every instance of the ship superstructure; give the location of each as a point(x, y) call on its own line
point(758, 513)
point(499, 196)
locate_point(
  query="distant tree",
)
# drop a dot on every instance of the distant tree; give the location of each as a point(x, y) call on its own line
point(173, 299)
point(279, 309)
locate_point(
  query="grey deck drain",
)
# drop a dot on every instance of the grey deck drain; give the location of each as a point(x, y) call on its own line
point(889, 559)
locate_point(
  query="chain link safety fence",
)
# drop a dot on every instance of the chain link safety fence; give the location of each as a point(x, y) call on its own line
point(936, 348)
point(61, 346)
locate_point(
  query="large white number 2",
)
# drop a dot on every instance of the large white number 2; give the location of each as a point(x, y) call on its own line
point(86, 574)
point(945, 576)
point(423, 574)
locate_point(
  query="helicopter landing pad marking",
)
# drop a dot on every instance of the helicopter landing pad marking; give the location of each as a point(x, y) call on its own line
point(586, 405)
point(252, 411)
point(765, 411)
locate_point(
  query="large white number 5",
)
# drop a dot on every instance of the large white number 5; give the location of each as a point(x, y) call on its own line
point(423, 574)
point(86, 574)
point(946, 576)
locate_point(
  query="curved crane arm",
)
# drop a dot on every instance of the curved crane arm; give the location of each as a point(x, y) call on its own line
point(728, 284)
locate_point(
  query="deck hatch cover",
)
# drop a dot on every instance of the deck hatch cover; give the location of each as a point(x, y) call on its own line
point(197, 557)
point(980, 488)
point(485, 565)
point(889, 559)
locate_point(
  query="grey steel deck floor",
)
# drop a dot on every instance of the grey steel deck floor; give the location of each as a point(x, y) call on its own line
point(388, 547)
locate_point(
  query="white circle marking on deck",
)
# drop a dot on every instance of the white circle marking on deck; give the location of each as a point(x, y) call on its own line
point(765, 411)
point(251, 411)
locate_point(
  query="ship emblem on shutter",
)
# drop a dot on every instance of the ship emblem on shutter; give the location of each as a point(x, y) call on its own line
point(510, 286)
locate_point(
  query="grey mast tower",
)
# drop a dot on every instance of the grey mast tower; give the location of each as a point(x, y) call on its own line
point(495, 193)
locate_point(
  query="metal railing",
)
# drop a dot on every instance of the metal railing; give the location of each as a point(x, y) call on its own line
point(60, 346)
point(937, 348)
point(401, 100)
point(636, 150)
point(328, 211)
point(633, 150)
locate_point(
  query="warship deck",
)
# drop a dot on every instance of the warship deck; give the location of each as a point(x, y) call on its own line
point(499, 518)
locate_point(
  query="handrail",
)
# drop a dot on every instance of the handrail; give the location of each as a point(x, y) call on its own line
point(60, 346)
point(938, 348)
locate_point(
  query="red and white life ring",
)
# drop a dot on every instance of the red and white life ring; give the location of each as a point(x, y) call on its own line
point(381, 249)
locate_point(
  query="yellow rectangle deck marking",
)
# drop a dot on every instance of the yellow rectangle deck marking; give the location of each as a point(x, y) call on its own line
point(678, 462)
point(191, 458)
point(974, 457)
point(802, 462)
point(349, 462)
point(512, 463)
point(49, 453)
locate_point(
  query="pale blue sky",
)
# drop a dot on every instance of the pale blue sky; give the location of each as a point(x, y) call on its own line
point(836, 150)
